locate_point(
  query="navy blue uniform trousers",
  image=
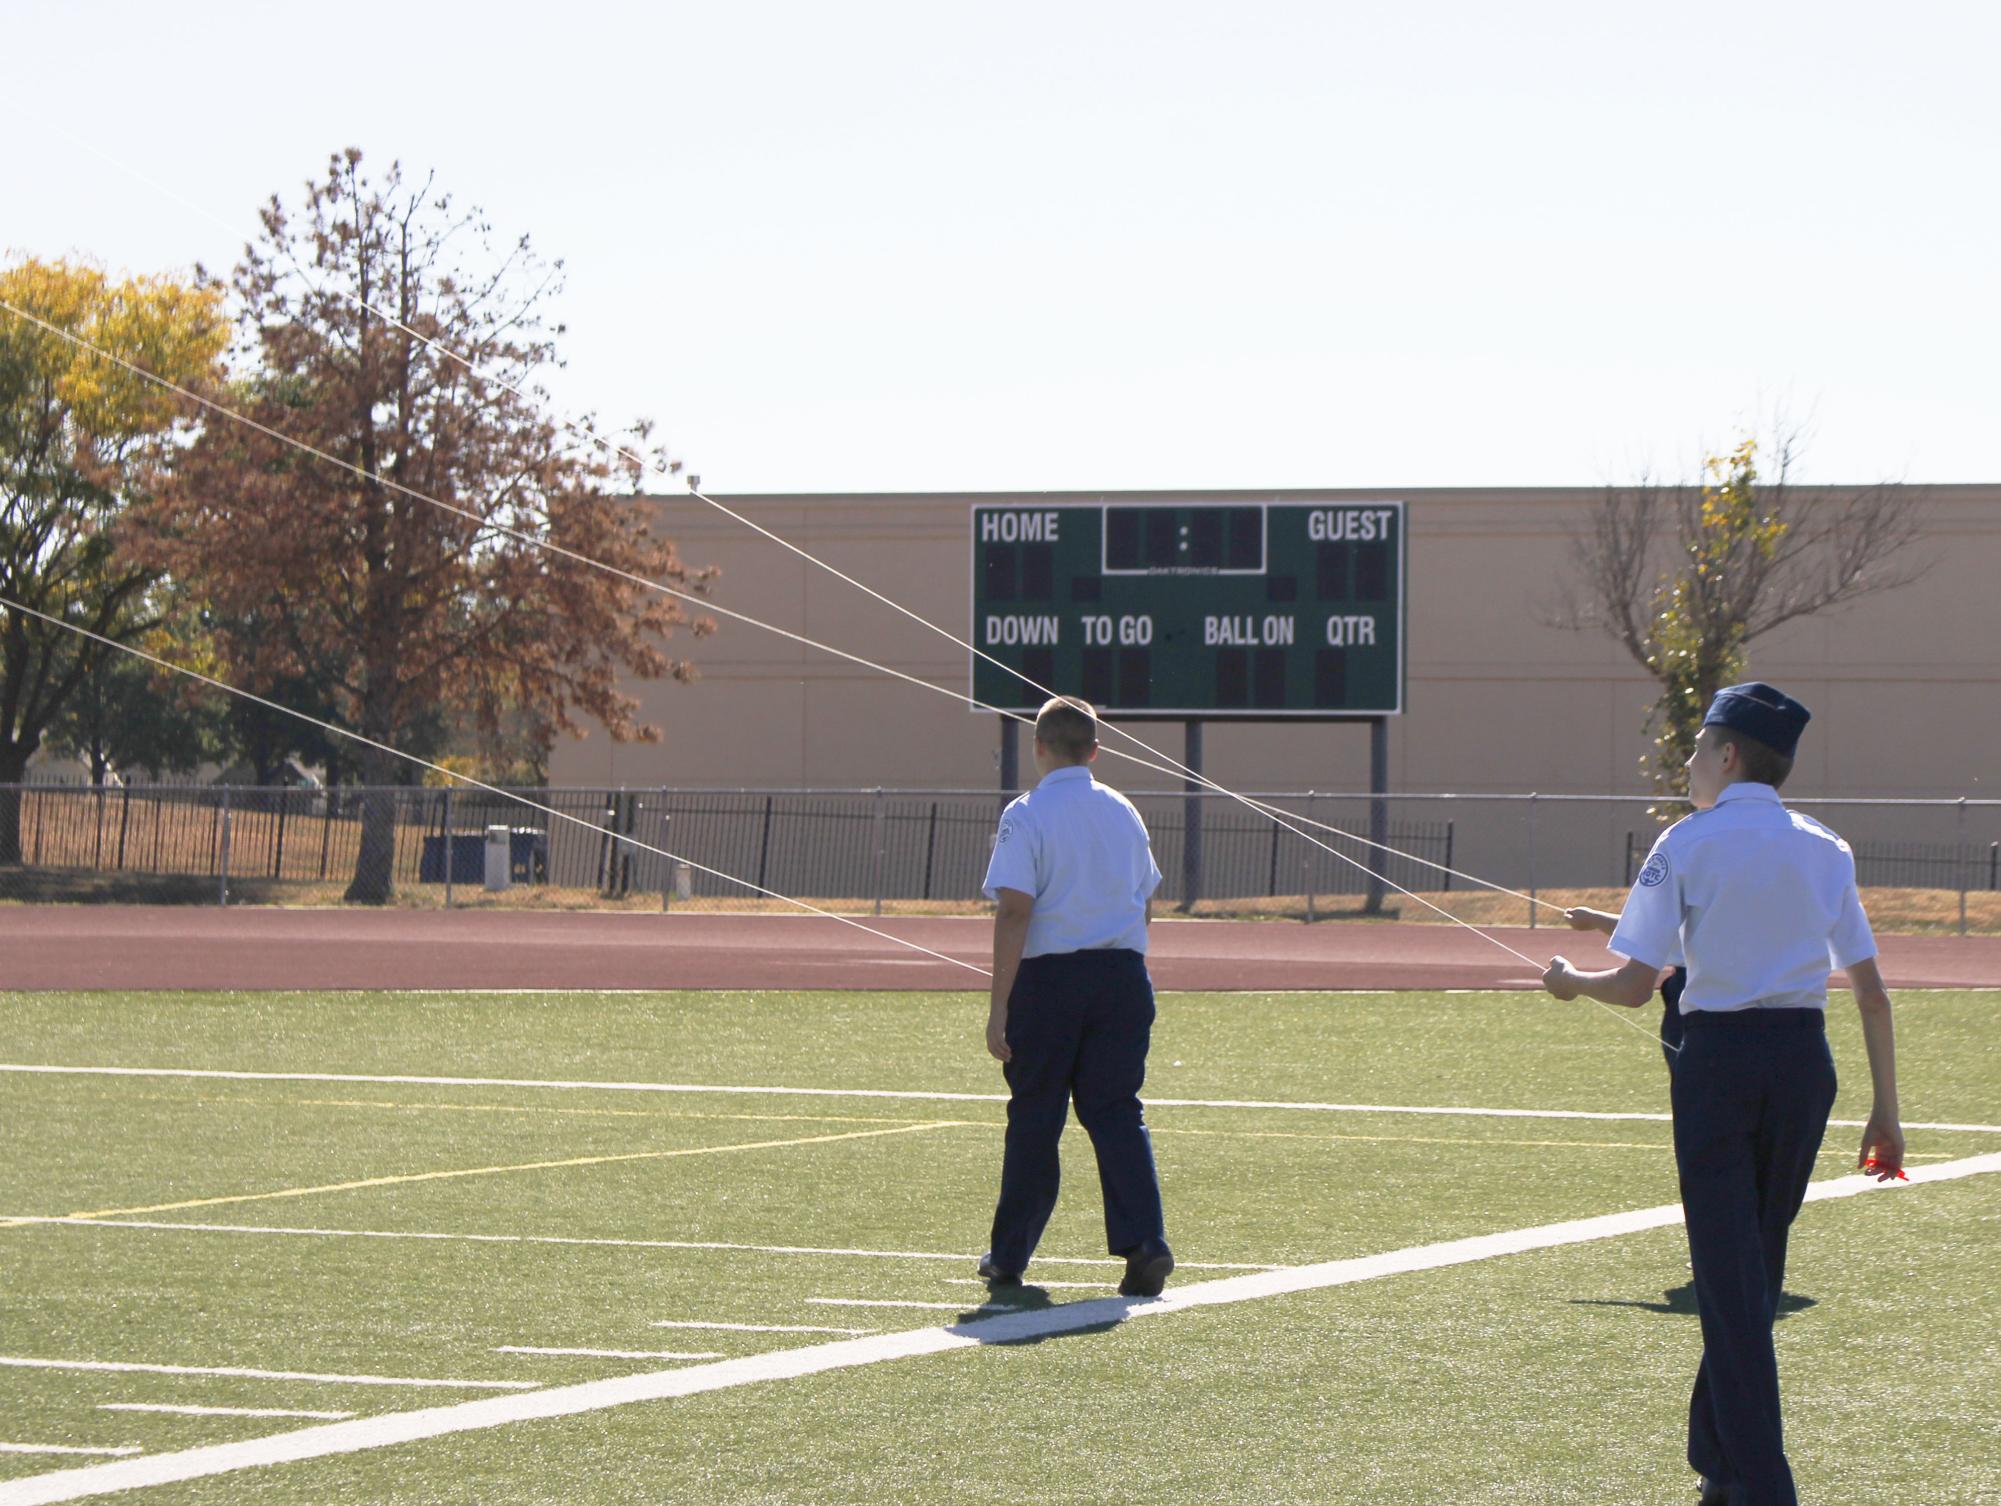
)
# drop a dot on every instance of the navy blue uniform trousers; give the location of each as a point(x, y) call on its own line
point(1078, 1025)
point(1752, 1090)
point(1671, 1026)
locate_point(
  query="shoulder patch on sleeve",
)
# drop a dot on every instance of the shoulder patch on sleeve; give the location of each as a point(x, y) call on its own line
point(1006, 831)
point(1655, 873)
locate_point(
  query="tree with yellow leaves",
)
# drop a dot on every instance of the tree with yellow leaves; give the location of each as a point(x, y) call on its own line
point(80, 441)
point(1687, 577)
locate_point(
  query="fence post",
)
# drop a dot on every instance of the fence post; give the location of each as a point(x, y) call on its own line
point(124, 824)
point(451, 848)
point(1965, 862)
point(633, 806)
point(277, 859)
point(222, 882)
point(930, 848)
point(621, 850)
point(1306, 851)
point(607, 860)
point(1191, 817)
point(878, 849)
point(667, 865)
point(764, 845)
point(1532, 875)
point(1448, 856)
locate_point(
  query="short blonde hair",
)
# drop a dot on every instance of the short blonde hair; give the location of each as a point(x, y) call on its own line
point(1067, 727)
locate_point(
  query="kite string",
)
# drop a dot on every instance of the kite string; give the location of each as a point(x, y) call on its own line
point(477, 784)
point(577, 557)
point(552, 811)
point(532, 541)
point(586, 432)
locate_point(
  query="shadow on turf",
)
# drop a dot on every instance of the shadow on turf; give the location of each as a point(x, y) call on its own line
point(1679, 1302)
point(991, 1325)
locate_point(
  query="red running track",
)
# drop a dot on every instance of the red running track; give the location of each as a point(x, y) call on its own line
point(151, 947)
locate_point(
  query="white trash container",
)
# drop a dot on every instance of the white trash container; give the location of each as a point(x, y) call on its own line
point(499, 858)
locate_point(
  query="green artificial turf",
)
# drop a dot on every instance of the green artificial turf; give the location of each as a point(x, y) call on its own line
point(1555, 1376)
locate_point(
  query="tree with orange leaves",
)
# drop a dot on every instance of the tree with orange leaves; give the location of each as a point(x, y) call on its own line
point(336, 572)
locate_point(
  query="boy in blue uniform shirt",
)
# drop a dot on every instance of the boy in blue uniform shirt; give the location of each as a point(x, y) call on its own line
point(1071, 1010)
point(1763, 902)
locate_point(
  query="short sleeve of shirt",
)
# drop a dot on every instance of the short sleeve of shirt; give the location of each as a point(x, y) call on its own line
point(1851, 940)
point(1013, 864)
point(1649, 928)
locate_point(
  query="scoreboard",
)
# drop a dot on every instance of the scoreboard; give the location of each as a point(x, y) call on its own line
point(1192, 610)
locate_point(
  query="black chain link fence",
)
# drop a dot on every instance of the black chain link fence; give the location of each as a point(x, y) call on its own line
point(637, 848)
point(849, 849)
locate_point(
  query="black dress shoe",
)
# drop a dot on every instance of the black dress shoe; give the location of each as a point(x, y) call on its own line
point(990, 1272)
point(1147, 1268)
point(1709, 1493)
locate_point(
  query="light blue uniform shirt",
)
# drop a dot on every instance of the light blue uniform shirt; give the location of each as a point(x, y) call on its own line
point(1761, 900)
point(1081, 849)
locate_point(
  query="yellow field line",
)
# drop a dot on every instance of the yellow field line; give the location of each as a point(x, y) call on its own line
point(1420, 1139)
point(488, 1171)
point(1663, 1146)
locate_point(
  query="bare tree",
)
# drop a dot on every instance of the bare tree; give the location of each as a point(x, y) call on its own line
point(1687, 576)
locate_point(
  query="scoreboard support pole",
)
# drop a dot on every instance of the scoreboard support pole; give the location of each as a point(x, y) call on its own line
point(1191, 817)
point(1010, 755)
point(1379, 810)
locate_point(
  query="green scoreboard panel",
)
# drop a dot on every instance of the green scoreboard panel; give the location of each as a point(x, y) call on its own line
point(1210, 610)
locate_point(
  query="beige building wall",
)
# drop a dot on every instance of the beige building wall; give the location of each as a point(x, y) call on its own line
point(1905, 686)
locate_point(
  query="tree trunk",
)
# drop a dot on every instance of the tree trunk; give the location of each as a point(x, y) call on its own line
point(13, 770)
point(374, 881)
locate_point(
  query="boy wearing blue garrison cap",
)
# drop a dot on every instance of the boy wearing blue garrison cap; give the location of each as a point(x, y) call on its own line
point(1762, 901)
point(1071, 1009)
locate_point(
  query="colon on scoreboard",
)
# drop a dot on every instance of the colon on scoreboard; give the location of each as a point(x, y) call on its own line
point(1160, 540)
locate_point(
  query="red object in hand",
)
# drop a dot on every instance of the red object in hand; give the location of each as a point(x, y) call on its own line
point(1872, 1164)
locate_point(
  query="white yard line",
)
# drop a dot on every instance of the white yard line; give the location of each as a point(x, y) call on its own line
point(956, 1256)
point(63, 1448)
point(755, 1327)
point(160, 1406)
point(942, 1307)
point(21, 1362)
point(583, 1085)
point(608, 1354)
point(814, 1359)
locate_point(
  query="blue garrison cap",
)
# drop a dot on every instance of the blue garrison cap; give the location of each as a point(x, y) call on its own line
point(1761, 711)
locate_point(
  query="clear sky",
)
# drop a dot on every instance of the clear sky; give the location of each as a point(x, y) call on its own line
point(936, 245)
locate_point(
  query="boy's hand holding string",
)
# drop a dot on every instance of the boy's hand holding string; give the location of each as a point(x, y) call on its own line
point(1629, 986)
